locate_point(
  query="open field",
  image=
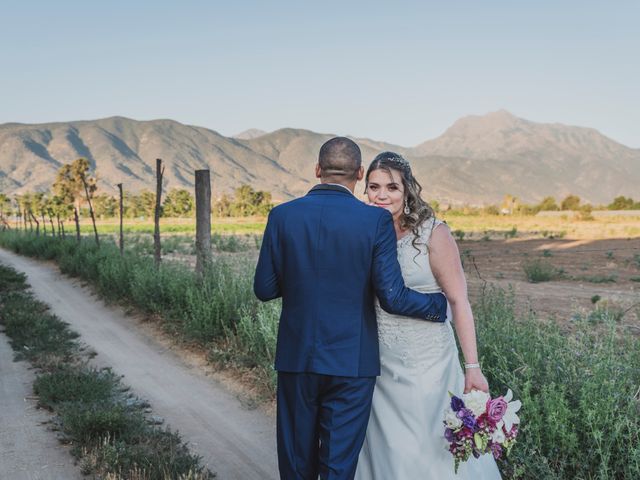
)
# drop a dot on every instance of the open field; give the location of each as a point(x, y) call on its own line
point(563, 225)
point(590, 258)
point(604, 224)
point(606, 272)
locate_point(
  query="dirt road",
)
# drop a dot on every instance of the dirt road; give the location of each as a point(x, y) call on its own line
point(28, 451)
point(233, 441)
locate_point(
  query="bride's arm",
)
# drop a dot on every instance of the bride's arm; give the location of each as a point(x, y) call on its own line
point(446, 266)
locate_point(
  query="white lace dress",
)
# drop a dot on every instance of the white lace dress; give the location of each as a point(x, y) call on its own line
point(419, 366)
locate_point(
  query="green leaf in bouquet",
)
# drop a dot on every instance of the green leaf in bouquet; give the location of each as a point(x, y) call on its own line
point(481, 441)
point(477, 438)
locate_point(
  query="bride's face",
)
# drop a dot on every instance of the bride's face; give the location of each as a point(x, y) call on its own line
point(387, 191)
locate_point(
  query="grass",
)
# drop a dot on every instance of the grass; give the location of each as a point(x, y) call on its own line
point(498, 226)
point(215, 311)
point(107, 428)
point(579, 391)
point(578, 384)
point(598, 278)
point(248, 225)
point(539, 270)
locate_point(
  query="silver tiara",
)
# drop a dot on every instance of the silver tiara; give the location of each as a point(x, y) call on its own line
point(400, 161)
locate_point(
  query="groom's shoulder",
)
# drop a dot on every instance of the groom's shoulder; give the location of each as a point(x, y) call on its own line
point(282, 209)
point(352, 204)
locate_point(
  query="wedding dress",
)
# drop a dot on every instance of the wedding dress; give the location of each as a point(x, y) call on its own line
point(419, 366)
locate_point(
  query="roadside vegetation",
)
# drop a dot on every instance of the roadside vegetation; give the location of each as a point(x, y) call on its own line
point(218, 312)
point(579, 385)
point(110, 431)
point(578, 382)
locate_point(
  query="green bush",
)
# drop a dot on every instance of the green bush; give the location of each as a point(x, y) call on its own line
point(580, 411)
point(89, 422)
point(75, 385)
point(540, 271)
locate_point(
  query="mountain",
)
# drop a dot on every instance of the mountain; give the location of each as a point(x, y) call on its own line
point(501, 153)
point(477, 160)
point(249, 134)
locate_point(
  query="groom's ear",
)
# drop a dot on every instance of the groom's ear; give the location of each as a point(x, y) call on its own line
point(360, 174)
point(318, 171)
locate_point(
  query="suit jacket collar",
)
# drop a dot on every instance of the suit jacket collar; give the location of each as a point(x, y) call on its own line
point(330, 187)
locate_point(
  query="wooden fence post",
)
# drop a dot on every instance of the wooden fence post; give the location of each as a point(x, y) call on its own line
point(203, 220)
point(156, 232)
point(121, 213)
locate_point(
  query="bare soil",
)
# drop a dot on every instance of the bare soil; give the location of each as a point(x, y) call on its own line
point(583, 262)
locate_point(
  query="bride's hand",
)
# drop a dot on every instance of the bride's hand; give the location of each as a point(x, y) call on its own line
point(474, 380)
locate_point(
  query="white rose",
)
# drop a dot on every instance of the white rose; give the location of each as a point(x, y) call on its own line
point(452, 421)
point(476, 401)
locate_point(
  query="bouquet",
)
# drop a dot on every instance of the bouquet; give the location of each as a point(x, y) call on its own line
point(477, 424)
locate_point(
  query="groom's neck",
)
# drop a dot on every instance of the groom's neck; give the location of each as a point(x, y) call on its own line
point(351, 186)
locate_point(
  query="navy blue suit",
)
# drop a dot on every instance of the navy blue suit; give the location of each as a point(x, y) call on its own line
point(328, 255)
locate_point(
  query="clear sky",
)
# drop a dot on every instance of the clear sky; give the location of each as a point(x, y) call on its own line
point(398, 71)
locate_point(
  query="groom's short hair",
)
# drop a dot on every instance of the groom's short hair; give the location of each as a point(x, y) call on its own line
point(340, 158)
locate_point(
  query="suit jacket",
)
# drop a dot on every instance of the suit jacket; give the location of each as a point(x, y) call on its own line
point(328, 255)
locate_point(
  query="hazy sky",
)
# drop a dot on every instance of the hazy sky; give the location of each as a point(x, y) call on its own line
point(395, 71)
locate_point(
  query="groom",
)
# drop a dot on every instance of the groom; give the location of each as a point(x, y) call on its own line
point(328, 255)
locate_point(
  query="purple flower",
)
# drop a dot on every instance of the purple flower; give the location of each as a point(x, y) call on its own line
point(467, 417)
point(456, 403)
point(448, 434)
point(496, 449)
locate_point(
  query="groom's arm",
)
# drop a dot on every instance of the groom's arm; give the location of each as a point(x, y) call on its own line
point(392, 293)
point(265, 283)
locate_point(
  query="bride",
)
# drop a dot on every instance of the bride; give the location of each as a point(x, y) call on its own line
point(419, 360)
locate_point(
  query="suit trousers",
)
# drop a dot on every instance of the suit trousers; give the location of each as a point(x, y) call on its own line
point(322, 421)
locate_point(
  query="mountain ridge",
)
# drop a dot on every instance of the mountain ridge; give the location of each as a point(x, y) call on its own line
point(477, 160)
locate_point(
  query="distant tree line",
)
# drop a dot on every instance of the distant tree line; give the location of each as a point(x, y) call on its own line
point(511, 205)
point(74, 195)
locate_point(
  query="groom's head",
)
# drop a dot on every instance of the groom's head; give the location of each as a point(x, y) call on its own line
point(340, 161)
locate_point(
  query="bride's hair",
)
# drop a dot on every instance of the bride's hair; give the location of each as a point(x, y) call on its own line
point(420, 211)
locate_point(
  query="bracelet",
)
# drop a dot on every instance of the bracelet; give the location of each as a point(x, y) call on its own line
point(471, 365)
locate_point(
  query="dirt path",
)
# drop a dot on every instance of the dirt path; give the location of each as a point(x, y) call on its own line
point(233, 441)
point(28, 451)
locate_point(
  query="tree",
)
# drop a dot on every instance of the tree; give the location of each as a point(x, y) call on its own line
point(248, 201)
point(5, 210)
point(548, 204)
point(222, 208)
point(38, 202)
point(62, 211)
point(178, 203)
point(491, 210)
point(571, 202)
point(68, 189)
point(20, 210)
point(147, 202)
point(105, 206)
point(509, 204)
point(622, 203)
point(80, 169)
point(27, 210)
